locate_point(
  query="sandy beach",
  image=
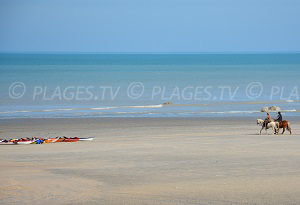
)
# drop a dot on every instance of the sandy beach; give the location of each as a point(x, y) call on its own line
point(166, 94)
point(150, 161)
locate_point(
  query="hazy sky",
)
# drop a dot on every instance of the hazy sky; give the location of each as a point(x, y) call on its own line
point(149, 25)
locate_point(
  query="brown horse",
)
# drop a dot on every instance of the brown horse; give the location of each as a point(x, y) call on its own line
point(285, 125)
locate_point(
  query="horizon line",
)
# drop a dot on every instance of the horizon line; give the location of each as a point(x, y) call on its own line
point(86, 52)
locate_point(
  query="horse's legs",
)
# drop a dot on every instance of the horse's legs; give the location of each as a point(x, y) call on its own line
point(289, 128)
point(283, 130)
point(261, 130)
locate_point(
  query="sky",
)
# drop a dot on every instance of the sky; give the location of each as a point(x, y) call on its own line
point(149, 25)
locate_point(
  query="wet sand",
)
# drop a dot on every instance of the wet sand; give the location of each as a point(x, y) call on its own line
point(150, 161)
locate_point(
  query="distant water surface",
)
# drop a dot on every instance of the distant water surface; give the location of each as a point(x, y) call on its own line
point(136, 85)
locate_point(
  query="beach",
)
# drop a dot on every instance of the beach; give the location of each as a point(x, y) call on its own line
point(149, 102)
point(201, 160)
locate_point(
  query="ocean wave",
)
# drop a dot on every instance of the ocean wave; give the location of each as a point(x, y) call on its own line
point(15, 111)
point(103, 108)
point(145, 106)
point(294, 110)
point(232, 112)
point(5, 112)
point(129, 113)
point(253, 111)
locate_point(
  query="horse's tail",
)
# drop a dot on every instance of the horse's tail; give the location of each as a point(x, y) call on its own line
point(289, 128)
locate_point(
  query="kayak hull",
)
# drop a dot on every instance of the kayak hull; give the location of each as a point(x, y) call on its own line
point(24, 142)
point(7, 143)
point(67, 140)
point(51, 140)
point(71, 140)
point(86, 139)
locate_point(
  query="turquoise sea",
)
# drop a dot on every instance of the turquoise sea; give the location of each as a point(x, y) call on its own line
point(137, 85)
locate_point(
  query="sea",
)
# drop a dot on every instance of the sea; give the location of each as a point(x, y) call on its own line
point(95, 85)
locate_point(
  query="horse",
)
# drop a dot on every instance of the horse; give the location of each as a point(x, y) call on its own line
point(270, 125)
point(285, 125)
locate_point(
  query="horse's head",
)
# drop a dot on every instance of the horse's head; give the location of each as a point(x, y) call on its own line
point(259, 121)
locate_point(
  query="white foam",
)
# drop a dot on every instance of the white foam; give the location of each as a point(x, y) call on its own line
point(5, 112)
point(146, 106)
point(233, 112)
point(242, 112)
point(103, 108)
point(215, 112)
point(289, 100)
point(294, 110)
point(16, 111)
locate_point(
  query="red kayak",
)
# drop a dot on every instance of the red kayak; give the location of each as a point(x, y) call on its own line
point(70, 140)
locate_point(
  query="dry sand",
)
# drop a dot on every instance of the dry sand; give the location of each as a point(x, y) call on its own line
point(150, 161)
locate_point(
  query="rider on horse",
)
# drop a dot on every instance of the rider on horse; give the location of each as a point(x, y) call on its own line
point(279, 117)
point(268, 119)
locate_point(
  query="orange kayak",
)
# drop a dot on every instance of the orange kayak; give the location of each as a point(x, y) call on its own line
point(47, 141)
point(50, 140)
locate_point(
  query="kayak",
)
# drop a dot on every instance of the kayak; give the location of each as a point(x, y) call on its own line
point(54, 139)
point(47, 141)
point(70, 140)
point(24, 142)
point(50, 140)
point(67, 140)
point(7, 143)
point(86, 139)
